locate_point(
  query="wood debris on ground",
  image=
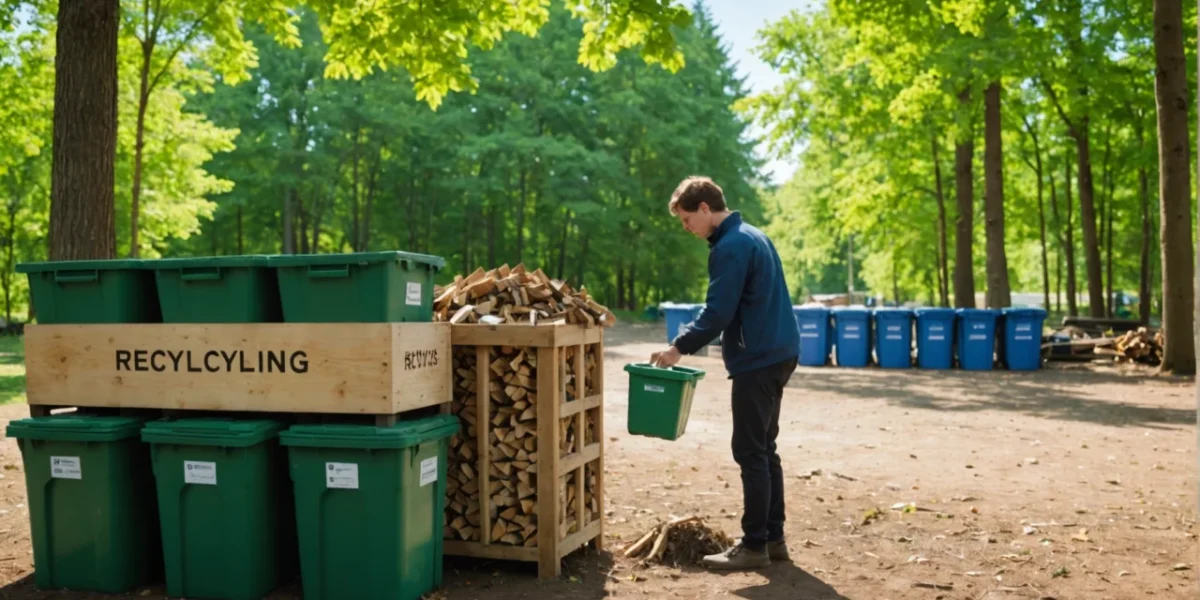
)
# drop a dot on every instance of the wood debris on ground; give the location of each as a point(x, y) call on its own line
point(678, 541)
point(517, 296)
point(1142, 346)
point(1139, 346)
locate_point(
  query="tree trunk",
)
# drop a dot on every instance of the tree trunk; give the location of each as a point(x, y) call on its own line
point(1072, 278)
point(1144, 302)
point(1087, 212)
point(521, 216)
point(582, 265)
point(85, 131)
point(964, 274)
point(999, 295)
point(9, 259)
point(1170, 91)
point(240, 237)
point(289, 238)
point(355, 223)
point(943, 268)
point(1109, 201)
point(139, 145)
point(1042, 235)
point(562, 246)
point(372, 185)
point(632, 288)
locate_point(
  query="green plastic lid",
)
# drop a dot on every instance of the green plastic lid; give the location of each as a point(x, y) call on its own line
point(675, 373)
point(401, 435)
point(208, 262)
point(82, 265)
point(211, 432)
point(75, 428)
point(355, 258)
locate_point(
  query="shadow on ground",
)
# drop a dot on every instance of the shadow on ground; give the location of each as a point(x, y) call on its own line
point(785, 581)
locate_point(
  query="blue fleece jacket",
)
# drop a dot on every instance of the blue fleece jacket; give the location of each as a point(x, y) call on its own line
point(747, 300)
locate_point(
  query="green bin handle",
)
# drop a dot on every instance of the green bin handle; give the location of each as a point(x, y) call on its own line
point(336, 272)
point(676, 372)
point(200, 274)
point(76, 276)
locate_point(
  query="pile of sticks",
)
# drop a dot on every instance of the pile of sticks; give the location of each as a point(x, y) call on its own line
point(1136, 346)
point(516, 296)
point(678, 541)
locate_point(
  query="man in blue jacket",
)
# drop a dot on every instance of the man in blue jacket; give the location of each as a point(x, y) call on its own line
point(748, 301)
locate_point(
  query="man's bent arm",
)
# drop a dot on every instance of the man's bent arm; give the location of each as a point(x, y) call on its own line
point(727, 277)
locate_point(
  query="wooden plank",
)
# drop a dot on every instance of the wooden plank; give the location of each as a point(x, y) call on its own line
point(537, 336)
point(483, 424)
point(570, 408)
point(598, 386)
point(576, 540)
point(347, 368)
point(548, 510)
point(580, 433)
point(577, 459)
point(492, 551)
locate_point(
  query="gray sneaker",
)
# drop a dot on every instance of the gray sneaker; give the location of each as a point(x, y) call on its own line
point(737, 558)
point(778, 551)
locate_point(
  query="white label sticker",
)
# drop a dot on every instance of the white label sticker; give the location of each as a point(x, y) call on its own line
point(850, 336)
point(1025, 327)
point(1021, 338)
point(413, 293)
point(203, 473)
point(341, 475)
point(65, 467)
point(893, 328)
point(809, 326)
point(657, 389)
point(894, 337)
point(937, 337)
point(852, 328)
point(429, 468)
point(935, 328)
point(975, 337)
point(810, 335)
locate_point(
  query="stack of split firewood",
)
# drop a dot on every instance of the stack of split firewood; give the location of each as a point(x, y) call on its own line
point(512, 448)
point(514, 295)
point(1140, 346)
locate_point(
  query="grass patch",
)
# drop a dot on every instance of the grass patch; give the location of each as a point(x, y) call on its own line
point(12, 369)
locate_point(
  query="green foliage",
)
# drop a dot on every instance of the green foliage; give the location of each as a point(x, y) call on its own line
point(431, 40)
point(871, 92)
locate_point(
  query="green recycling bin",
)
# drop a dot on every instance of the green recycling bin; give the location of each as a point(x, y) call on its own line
point(224, 289)
point(370, 504)
point(228, 527)
point(92, 291)
point(660, 400)
point(364, 287)
point(91, 512)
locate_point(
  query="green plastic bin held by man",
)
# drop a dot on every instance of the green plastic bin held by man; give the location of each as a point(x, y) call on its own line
point(92, 291)
point(364, 287)
point(223, 289)
point(370, 504)
point(660, 400)
point(91, 510)
point(228, 526)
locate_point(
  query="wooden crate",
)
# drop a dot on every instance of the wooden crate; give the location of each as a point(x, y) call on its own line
point(556, 396)
point(344, 368)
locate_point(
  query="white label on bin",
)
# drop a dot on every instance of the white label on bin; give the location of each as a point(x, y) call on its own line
point(657, 389)
point(65, 467)
point(204, 473)
point(413, 293)
point(937, 338)
point(893, 328)
point(935, 328)
point(341, 475)
point(894, 337)
point(429, 473)
point(850, 336)
point(810, 335)
point(1022, 338)
point(975, 337)
point(852, 328)
point(1025, 327)
point(809, 326)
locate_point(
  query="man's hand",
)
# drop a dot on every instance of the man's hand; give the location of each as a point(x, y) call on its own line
point(667, 358)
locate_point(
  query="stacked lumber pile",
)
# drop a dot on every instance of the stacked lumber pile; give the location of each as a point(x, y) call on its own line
point(679, 541)
point(516, 296)
point(1139, 346)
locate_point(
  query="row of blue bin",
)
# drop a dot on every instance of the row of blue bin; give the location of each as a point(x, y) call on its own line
point(975, 336)
point(942, 334)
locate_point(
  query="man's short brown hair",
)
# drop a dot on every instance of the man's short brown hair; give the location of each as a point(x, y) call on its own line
point(696, 190)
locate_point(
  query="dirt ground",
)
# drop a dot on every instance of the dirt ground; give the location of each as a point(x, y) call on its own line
point(1072, 482)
